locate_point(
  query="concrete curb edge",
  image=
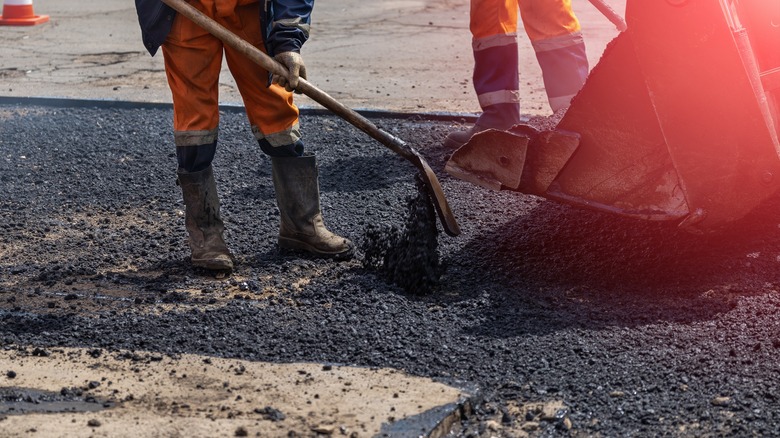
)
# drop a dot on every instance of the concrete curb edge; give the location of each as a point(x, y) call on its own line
point(63, 102)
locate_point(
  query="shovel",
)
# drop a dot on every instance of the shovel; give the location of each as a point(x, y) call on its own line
point(611, 15)
point(395, 144)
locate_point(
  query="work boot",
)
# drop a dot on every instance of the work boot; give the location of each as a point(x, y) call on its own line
point(204, 225)
point(456, 139)
point(298, 198)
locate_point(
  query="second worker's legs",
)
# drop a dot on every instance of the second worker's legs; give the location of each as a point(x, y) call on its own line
point(496, 80)
point(555, 34)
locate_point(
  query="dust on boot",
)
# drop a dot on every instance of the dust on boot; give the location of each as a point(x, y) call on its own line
point(296, 181)
point(202, 220)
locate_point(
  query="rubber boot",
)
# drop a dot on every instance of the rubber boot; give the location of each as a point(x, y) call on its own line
point(298, 198)
point(204, 225)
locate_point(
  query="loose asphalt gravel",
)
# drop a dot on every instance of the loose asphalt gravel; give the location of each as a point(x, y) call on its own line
point(635, 327)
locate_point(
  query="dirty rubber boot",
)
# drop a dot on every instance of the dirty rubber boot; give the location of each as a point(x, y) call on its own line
point(298, 198)
point(204, 225)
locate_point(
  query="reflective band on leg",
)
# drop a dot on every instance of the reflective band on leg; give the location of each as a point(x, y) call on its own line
point(478, 44)
point(283, 138)
point(194, 138)
point(560, 42)
point(497, 97)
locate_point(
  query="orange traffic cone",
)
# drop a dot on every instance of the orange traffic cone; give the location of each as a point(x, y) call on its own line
point(20, 13)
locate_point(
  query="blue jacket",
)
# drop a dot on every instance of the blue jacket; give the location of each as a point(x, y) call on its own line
point(285, 23)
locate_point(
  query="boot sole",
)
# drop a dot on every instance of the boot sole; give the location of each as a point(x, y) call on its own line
point(214, 264)
point(292, 245)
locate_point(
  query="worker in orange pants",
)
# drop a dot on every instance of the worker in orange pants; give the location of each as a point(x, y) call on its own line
point(193, 60)
point(555, 35)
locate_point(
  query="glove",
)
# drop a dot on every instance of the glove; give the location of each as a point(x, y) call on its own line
point(294, 63)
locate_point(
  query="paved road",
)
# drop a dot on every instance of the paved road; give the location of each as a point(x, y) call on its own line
point(400, 55)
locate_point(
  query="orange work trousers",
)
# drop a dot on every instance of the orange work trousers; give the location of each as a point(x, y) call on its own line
point(554, 32)
point(193, 60)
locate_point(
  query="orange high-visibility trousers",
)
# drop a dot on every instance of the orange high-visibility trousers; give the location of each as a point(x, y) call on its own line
point(554, 32)
point(193, 60)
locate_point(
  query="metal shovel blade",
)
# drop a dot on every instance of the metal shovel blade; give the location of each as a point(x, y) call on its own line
point(435, 191)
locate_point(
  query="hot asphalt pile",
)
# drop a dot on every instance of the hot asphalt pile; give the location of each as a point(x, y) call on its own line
point(627, 327)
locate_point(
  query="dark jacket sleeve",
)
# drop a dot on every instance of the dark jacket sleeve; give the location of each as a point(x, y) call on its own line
point(156, 19)
point(286, 24)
